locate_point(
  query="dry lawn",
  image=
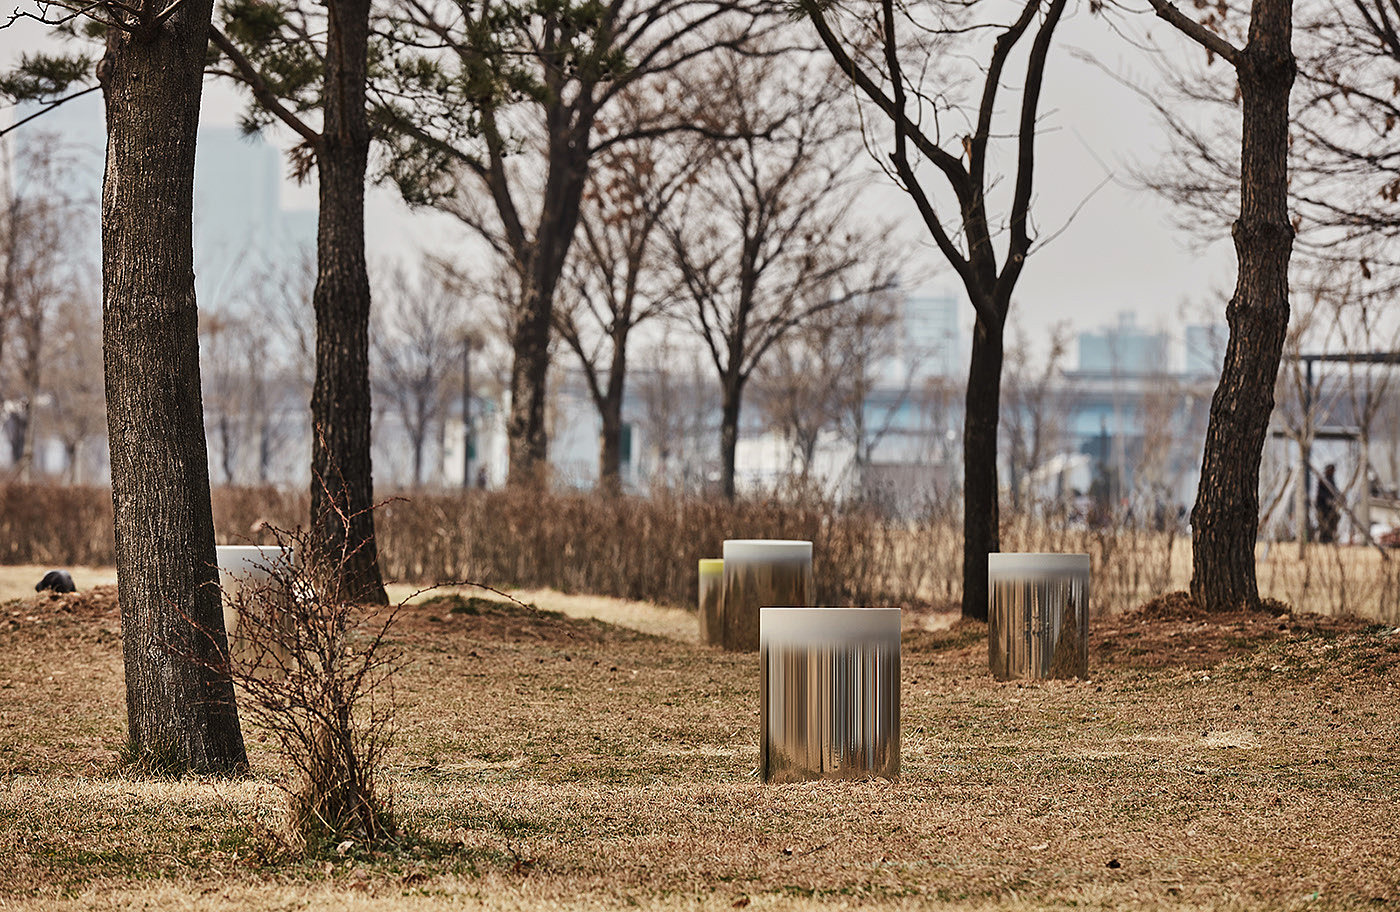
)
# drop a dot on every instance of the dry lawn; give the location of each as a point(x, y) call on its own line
point(545, 761)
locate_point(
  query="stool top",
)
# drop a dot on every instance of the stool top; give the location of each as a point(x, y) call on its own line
point(1031, 564)
point(767, 549)
point(251, 558)
point(711, 565)
point(793, 625)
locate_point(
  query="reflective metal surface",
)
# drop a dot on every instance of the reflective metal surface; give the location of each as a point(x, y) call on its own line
point(759, 573)
point(829, 693)
point(1037, 616)
point(711, 587)
point(245, 566)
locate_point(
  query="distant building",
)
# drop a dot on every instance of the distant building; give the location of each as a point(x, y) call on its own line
point(1205, 349)
point(1123, 349)
point(239, 216)
point(1137, 417)
point(931, 343)
point(239, 219)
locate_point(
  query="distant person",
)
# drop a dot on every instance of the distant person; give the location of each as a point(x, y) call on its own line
point(481, 478)
point(56, 581)
point(1328, 505)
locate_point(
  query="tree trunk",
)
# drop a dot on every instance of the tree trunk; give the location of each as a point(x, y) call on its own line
point(529, 377)
point(342, 486)
point(264, 445)
point(1225, 521)
point(226, 447)
point(16, 432)
point(70, 456)
point(180, 704)
point(610, 410)
point(610, 446)
point(981, 505)
point(729, 437)
point(417, 440)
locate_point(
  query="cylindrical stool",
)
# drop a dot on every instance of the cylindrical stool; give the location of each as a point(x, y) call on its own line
point(711, 587)
point(1038, 616)
point(246, 565)
point(829, 704)
point(759, 572)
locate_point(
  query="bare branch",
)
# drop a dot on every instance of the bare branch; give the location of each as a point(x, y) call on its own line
point(248, 74)
point(49, 107)
point(1198, 33)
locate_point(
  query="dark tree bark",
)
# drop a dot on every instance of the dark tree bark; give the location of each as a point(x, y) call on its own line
point(541, 260)
point(981, 496)
point(730, 404)
point(342, 487)
point(1225, 519)
point(529, 376)
point(180, 702)
point(610, 409)
point(988, 279)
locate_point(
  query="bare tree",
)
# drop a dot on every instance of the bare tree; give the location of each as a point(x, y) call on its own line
point(223, 358)
point(619, 277)
point(40, 264)
point(763, 239)
point(1343, 153)
point(1225, 520)
point(74, 406)
point(866, 364)
point(417, 346)
point(499, 122)
point(676, 397)
point(833, 374)
point(887, 51)
point(795, 390)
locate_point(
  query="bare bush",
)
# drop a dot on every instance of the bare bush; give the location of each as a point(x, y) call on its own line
point(61, 526)
point(316, 670)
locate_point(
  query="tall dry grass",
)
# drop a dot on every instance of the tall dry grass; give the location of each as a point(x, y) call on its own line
point(58, 526)
point(648, 548)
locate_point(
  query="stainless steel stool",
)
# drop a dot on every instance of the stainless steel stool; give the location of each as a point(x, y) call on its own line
point(1038, 616)
point(829, 705)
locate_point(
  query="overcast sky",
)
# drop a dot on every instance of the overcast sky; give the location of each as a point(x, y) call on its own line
point(1120, 253)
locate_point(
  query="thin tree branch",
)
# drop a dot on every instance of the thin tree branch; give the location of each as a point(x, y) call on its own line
point(1198, 33)
point(49, 107)
point(248, 74)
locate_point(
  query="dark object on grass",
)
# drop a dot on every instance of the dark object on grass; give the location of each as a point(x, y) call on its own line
point(56, 581)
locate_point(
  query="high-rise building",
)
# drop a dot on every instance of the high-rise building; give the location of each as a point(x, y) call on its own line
point(1205, 350)
point(1123, 350)
point(238, 215)
point(239, 218)
point(931, 344)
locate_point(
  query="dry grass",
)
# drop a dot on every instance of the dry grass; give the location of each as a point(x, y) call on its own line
point(556, 762)
point(17, 581)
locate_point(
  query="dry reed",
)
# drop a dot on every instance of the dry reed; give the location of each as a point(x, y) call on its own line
point(648, 548)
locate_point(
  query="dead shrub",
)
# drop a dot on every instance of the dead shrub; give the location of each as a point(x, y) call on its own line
point(316, 670)
point(58, 526)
